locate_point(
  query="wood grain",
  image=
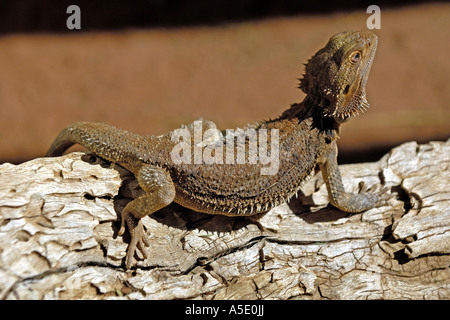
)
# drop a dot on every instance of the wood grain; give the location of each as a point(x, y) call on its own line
point(58, 237)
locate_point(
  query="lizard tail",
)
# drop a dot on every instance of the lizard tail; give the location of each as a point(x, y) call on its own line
point(62, 142)
point(99, 138)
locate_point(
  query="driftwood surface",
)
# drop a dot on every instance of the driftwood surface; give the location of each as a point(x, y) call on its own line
point(58, 237)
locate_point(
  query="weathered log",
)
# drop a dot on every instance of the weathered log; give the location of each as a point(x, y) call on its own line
point(58, 237)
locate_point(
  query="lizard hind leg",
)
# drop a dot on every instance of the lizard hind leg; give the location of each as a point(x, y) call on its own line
point(159, 192)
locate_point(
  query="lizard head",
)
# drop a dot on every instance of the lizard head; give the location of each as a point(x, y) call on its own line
point(335, 77)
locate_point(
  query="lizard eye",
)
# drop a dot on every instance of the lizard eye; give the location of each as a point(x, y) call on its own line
point(355, 56)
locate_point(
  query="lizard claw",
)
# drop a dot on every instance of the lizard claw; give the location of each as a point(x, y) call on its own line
point(382, 197)
point(363, 188)
point(138, 239)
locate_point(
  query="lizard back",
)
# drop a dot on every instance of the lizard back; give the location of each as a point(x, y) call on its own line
point(241, 189)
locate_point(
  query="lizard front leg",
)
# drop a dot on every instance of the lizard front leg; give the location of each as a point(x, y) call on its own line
point(159, 192)
point(348, 202)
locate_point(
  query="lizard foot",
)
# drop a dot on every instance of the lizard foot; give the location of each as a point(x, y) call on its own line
point(381, 198)
point(138, 239)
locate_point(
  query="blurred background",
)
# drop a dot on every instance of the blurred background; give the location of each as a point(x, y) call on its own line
point(149, 66)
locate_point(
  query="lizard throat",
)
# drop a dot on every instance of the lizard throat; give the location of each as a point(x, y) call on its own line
point(353, 99)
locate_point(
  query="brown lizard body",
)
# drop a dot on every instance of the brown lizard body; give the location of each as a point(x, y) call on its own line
point(334, 82)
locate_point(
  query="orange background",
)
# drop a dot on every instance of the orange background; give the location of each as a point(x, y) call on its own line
point(151, 80)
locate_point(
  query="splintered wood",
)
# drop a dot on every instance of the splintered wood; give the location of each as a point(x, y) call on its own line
point(58, 237)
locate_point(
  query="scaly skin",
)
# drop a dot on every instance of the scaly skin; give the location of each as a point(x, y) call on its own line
point(334, 82)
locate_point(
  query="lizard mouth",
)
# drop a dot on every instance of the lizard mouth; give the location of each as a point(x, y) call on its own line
point(353, 99)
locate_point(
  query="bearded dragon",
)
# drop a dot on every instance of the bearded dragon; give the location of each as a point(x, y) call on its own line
point(334, 83)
